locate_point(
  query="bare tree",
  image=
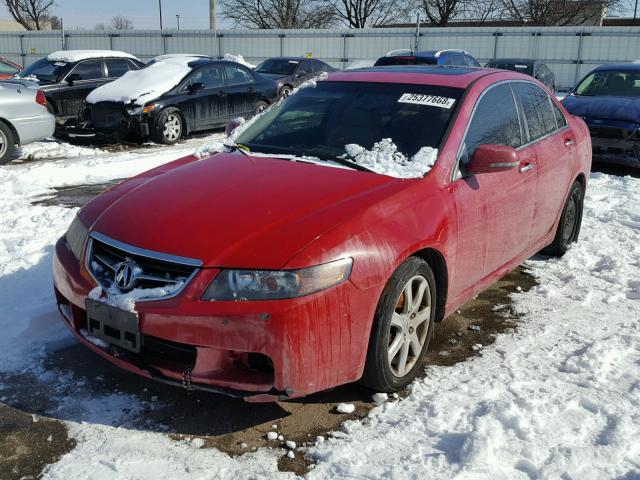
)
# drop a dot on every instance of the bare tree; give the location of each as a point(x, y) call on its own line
point(120, 22)
point(31, 14)
point(101, 27)
point(270, 14)
point(557, 12)
point(440, 12)
point(55, 23)
point(369, 13)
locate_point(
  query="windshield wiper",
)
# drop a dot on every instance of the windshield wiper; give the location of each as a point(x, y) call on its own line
point(328, 155)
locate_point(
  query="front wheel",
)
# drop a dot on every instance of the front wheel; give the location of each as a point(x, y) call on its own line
point(167, 127)
point(6, 143)
point(285, 91)
point(403, 326)
point(570, 222)
point(261, 106)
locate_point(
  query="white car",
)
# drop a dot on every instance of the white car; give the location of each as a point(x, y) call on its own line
point(24, 117)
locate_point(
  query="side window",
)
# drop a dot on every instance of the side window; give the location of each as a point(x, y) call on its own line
point(471, 61)
point(459, 60)
point(210, 76)
point(495, 121)
point(560, 120)
point(307, 66)
point(89, 69)
point(319, 66)
point(7, 69)
point(537, 109)
point(237, 75)
point(116, 67)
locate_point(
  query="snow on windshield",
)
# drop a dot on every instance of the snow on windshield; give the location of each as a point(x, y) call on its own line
point(384, 158)
point(145, 85)
point(70, 56)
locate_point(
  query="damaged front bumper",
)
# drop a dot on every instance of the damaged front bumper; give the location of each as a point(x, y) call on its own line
point(109, 121)
point(616, 142)
point(256, 350)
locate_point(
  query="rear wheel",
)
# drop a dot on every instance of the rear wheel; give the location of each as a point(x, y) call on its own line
point(570, 222)
point(6, 143)
point(285, 91)
point(403, 326)
point(167, 127)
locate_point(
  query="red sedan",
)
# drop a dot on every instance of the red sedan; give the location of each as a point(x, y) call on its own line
point(8, 69)
point(322, 247)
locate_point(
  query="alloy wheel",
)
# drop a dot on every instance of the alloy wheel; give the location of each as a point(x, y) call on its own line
point(172, 128)
point(3, 144)
point(409, 325)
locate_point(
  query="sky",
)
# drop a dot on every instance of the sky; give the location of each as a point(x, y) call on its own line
point(194, 14)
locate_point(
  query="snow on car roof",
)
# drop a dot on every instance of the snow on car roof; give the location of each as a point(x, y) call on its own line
point(71, 56)
point(145, 85)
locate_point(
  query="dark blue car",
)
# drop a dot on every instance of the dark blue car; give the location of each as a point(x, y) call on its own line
point(608, 99)
point(435, 57)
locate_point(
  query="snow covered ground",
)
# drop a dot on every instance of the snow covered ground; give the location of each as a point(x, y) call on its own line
point(558, 398)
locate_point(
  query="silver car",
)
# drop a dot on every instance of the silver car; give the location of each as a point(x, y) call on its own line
point(24, 117)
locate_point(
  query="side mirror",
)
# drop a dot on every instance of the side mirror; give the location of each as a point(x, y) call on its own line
point(74, 77)
point(232, 125)
point(301, 73)
point(493, 158)
point(194, 87)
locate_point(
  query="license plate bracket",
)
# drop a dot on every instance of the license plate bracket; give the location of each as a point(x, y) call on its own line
point(115, 326)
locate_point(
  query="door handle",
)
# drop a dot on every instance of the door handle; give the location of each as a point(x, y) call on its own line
point(221, 94)
point(251, 89)
point(525, 167)
point(568, 142)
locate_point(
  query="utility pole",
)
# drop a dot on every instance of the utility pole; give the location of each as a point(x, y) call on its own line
point(212, 15)
point(178, 19)
point(160, 8)
point(635, 10)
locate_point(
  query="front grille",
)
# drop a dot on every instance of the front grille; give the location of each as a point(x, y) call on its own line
point(150, 269)
point(610, 132)
point(106, 115)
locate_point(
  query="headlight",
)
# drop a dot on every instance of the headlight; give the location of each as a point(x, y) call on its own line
point(277, 284)
point(76, 236)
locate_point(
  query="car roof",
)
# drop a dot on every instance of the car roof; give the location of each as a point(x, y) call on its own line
point(425, 53)
point(441, 75)
point(619, 66)
point(297, 59)
point(524, 61)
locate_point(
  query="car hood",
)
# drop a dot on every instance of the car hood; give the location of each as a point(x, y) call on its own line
point(604, 107)
point(235, 211)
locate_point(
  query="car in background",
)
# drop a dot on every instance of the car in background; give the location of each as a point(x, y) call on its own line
point(535, 68)
point(8, 69)
point(323, 246)
point(450, 56)
point(173, 97)
point(290, 72)
point(66, 77)
point(24, 117)
point(608, 100)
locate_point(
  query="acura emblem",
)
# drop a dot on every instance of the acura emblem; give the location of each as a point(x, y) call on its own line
point(125, 277)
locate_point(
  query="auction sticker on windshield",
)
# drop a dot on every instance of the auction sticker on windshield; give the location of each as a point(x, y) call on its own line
point(428, 100)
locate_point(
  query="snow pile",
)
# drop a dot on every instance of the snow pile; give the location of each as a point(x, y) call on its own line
point(384, 158)
point(363, 63)
point(145, 85)
point(558, 398)
point(230, 57)
point(54, 149)
point(127, 301)
point(70, 56)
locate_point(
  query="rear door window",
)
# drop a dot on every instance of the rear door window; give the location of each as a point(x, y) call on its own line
point(88, 70)
point(237, 75)
point(538, 112)
point(116, 67)
point(495, 122)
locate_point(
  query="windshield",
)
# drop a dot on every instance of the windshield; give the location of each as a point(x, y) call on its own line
point(278, 66)
point(610, 82)
point(322, 121)
point(516, 67)
point(387, 61)
point(45, 71)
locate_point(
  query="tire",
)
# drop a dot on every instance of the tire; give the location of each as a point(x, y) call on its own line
point(261, 107)
point(285, 91)
point(168, 127)
point(397, 327)
point(7, 143)
point(569, 224)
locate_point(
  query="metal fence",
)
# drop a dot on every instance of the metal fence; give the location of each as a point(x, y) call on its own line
point(570, 51)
